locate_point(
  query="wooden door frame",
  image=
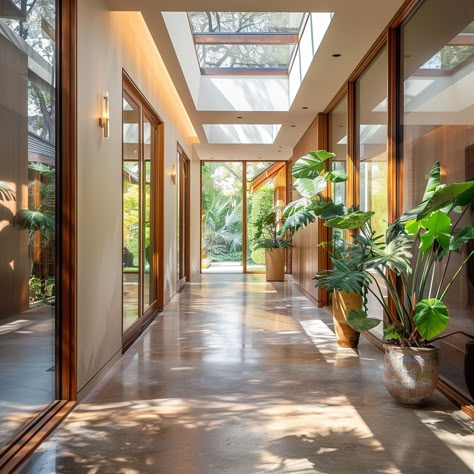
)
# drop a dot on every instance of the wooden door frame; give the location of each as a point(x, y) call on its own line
point(183, 159)
point(244, 209)
point(146, 317)
point(32, 434)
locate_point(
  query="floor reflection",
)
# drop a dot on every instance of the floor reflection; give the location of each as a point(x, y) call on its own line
point(243, 376)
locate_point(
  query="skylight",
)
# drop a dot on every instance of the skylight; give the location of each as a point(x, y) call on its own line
point(237, 42)
point(263, 134)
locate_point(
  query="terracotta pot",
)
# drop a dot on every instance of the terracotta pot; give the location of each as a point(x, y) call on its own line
point(275, 264)
point(342, 303)
point(410, 373)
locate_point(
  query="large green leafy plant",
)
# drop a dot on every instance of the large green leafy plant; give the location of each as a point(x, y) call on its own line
point(267, 230)
point(311, 178)
point(411, 261)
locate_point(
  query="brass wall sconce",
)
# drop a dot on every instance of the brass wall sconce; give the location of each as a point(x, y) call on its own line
point(173, 173)
point(104, 120)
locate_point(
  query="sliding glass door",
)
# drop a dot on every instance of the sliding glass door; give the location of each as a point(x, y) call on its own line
point(140, 204)
point(235, 195)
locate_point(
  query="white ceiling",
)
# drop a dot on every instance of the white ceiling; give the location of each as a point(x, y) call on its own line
point(353, 29)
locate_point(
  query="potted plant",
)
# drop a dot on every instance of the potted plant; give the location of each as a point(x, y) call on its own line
point(411, 260)
point(268, 237)
point(311, 179)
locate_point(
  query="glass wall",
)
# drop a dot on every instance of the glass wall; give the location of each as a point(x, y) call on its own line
point(371, 141)
point(338, 146)
point(183, 177)
point(221, 215)
point(438, 125)
point(266, 188)
point(28, 205)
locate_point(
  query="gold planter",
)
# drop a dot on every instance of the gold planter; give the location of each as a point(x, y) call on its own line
point(275, 264)
point(342, 303)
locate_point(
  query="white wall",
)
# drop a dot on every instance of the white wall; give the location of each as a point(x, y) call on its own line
point(107, 42)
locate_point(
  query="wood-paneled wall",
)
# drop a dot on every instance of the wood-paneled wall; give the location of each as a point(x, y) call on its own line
point(305, 259)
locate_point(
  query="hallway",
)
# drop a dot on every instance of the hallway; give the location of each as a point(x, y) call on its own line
point(243, 376)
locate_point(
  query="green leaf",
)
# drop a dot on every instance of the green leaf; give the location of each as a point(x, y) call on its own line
point(6, 194)
point(309, 188)
point(311, 165)
point(455, 194)
point(412, 227)
point(390, 333)
point(335, 176)
point(352, 220)
point(462, 237)
point(438, 227)
point(331, 210)
point(434, 181)
point(343, 277)
point(359, 321)
point(33, 221)
point(431, 317)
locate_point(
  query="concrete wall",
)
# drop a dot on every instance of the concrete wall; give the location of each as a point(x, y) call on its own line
point(107, 43)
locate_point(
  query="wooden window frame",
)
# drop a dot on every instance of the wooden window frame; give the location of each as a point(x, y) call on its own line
point(390, 37)
point(146, 317)
point(184, 204)
point(244, 210)
point(32, 434)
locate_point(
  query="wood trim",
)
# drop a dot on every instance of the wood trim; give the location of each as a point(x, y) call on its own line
point(244, 217)
point(67, 261)
point(266, 176)
point(237, 71)
point(245, 38)
point(28, 440)
point(352, 186)
point(323, 232)
point(186, 163)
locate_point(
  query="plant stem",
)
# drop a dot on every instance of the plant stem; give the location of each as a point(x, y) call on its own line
point(456, 275)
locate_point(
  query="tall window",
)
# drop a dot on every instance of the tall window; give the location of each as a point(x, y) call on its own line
point(371, 140)
point(438, 125)
point(28, 209)
point(140, 204)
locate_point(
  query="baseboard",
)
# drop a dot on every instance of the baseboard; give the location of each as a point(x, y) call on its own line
point(89, 386)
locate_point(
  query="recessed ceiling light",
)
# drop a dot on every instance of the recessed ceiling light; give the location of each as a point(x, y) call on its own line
point(293, 126)
point(239, 117)
point(279, 151)
point(336, 55)
point(305, 108)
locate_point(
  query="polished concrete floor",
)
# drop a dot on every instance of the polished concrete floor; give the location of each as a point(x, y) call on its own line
point(243, 376)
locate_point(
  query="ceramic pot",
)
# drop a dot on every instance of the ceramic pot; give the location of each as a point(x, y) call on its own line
point(410, 373)
point(275, 264)
point(342, 303)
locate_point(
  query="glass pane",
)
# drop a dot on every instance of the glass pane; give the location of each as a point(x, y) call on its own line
point(245, 22)
point(27, 214)
point(149, 293)
point(260, 201)
point(372, 118)
point(438, 125)
point(338, 146)
point(244, 55)
point(131, 213)
point(182, 213)
point(221, 217)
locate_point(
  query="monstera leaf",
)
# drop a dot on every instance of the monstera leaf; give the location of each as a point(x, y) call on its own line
point(431, 317)
point(335, 176)
point(438, 227)
point(309, 188)
point(311, 165)
point(6, 194)
point(353, 220)
point(462, 237)
point(33, 221)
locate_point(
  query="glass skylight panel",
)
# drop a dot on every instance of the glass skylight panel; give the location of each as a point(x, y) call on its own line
point(245, 22)
point(244, 55)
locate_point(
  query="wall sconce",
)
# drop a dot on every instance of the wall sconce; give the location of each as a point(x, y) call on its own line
point(104, 120)
point(173, 173)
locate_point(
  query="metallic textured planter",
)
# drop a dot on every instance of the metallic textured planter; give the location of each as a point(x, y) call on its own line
point(342, 303)
point(410, 374)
